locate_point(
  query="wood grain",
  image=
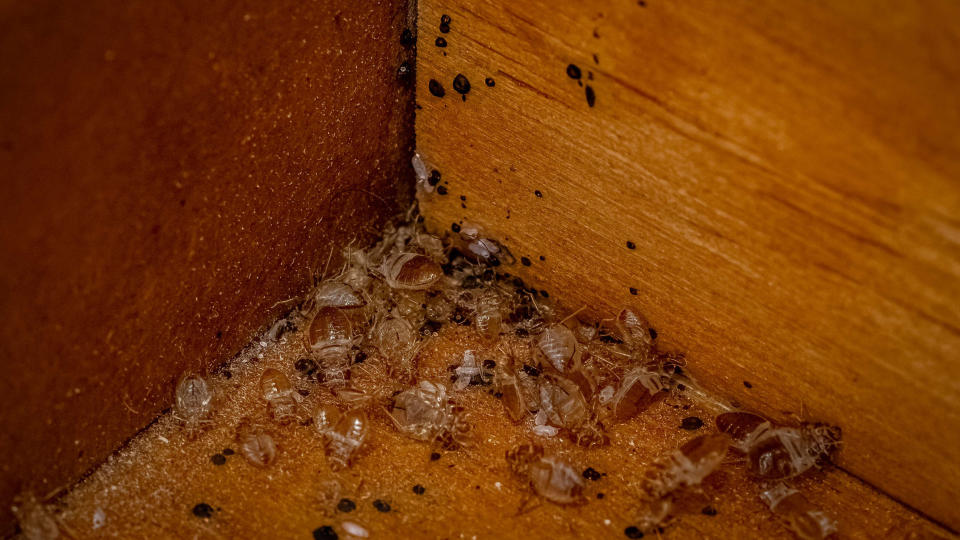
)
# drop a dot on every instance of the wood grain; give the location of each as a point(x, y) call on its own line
point(169, 172)
point(788, 173)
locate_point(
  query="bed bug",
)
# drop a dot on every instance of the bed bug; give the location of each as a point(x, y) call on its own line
point(562, 402)
point(634, 330)
point(558, 344)
point(410, 271)
point(326, 418)
point(487, 314)
point(550, 477)
point(777, 452)
point(425, 412)
point(256, 445)
point(277, 391)
point(34, 518)
point(396, 340)
point(639, 389)
point(805, 521)
point(330, 335)
point(193, 402)
point(686, 466)
point(337, 294)
point(344, 440)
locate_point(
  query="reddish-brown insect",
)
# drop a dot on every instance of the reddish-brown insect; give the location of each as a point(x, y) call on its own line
point(779, 452)
point(345, 439)
point(330, 335)
point(550, 477)
point(557, 343)
point(640, 389)
point(279, 395)
point(685, 467)
point(410, 271)
point(805, 521)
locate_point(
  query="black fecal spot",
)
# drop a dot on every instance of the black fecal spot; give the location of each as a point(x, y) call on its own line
point(227, 451)
point(490, 82)
point(606, 338)
point(633, 291)
point(653, 334)
point(589, 75)
point(303, 392)
point(219, 334)
point(404, 70)
point(445, 19)
point(544, 294)
point(470, 282)
point(346, 505)
point(642, 3)
point(441, 41)
point(419, 490)
point(525, 261)
point(708, 511)
point(381, 505)
point(494, 262)
point(306, 366)
point(681, 387)
point(591, 97)
point(633, 532)
point(455, 227)
point(359, 357)
point(203, 510)
point(436, 88)
point(580, 84)
point(596, 59)
point(442, 190)
point(227, 374)
point(591, 474)
point(463, 197)
point(691, 423)
point(489, 364)
point(521, 332)
point(631, 245)
point(325, 533)
point(542, 258)
point(434, 178)
point(599, 495)
point(461, 84)
point(747, 384)
point(406, 38)
point(573, 71)
point(531, 370)
point(218, 459)
point(538, 193)
point(434, 456)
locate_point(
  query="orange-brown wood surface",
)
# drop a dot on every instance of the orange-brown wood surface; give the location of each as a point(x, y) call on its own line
point(787, 172)
point(169, 171)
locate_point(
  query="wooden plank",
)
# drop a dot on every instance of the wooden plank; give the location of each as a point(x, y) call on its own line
point(170, 171)
point(787, 173)
point(143, 491)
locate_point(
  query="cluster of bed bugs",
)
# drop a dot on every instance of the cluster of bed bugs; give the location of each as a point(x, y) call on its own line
point(556, 375)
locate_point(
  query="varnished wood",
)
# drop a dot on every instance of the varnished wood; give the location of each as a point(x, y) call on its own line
point(787, 171)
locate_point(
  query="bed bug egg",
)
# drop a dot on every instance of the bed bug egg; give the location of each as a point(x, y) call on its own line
point(557, 343)
point(805, 521)
point(257, 447)
point(346, 438)
point(277, 391)
point(410, 271)
point(639, 389)
point(193, 402)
